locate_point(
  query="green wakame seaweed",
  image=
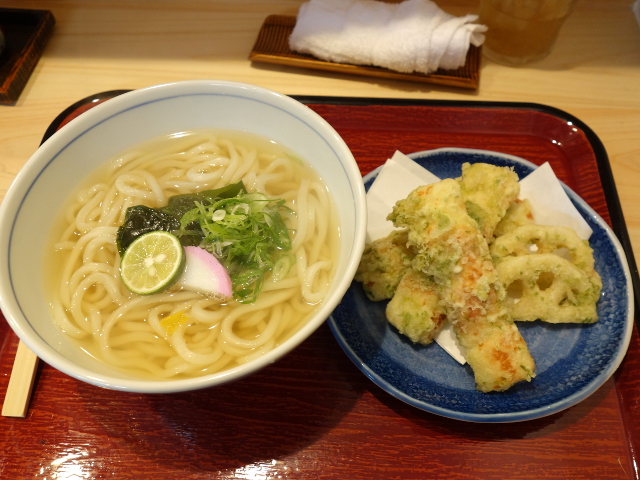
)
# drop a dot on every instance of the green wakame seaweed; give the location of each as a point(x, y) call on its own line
point(140, 219)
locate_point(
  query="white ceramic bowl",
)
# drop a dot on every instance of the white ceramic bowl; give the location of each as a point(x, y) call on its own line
point(76, 150)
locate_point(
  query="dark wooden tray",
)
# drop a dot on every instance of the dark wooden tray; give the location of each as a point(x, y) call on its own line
point(313, 414)
point(26, 33)
point(272, 46)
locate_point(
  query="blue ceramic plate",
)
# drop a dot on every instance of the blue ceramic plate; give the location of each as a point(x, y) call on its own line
point(572, 361)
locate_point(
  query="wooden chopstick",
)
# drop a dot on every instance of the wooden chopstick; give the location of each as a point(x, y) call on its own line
point(16, 400)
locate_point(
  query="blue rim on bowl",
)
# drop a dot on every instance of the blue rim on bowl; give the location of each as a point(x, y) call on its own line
point(573, 361)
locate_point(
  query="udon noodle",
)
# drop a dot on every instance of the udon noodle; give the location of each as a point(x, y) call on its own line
point(123, 329)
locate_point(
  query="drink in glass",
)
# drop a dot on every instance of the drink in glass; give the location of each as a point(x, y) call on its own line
point(522, 31)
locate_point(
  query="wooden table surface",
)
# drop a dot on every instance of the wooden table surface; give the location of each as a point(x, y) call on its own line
point(593, 74)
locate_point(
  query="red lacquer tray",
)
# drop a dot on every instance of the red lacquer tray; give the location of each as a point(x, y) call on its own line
point(313, 415)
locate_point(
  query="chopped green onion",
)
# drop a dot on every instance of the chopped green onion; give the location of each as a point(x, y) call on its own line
point(245, 231)
point(248, 235)
point(218, 215)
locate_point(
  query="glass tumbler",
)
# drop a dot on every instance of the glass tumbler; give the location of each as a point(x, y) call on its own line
point(522, 31)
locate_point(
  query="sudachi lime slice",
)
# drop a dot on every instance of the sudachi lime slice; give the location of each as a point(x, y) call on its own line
point(152, 263)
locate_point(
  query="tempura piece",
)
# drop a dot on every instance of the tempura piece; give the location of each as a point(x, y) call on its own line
point(451, 248)
point(526, 239)
point(415, 309)
point(519, 213)
point(552, 291)
point(549, 288)
point(488, 191)
point(383, 264)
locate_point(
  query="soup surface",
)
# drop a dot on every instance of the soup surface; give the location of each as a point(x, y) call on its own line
point(182, 333)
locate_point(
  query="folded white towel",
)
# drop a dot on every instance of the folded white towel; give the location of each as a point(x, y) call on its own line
point(412, 36)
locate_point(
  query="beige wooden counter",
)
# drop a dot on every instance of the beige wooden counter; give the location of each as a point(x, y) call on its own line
point(593, 72)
